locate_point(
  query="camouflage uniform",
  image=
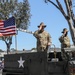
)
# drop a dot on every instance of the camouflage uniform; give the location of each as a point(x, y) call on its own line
point(43, 38)
point(65, 43)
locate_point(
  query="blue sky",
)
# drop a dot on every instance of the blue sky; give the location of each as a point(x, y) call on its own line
point(41, 12)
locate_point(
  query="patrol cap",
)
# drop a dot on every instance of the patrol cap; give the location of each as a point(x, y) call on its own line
point(65, 29)
point(42, 24)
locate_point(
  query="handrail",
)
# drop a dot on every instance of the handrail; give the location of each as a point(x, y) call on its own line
point(27, 31)
point(54, 50)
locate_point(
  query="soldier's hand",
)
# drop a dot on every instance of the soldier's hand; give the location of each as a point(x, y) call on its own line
point(40, 27)
point(49, 44)
point(64, 32)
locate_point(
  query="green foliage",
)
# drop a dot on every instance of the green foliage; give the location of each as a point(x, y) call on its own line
point(33, 49)
point(20, 10)
point(1, 50)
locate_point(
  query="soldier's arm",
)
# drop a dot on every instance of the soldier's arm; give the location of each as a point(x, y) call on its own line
point(61, 38)
point(36, 34)
point(49, 39)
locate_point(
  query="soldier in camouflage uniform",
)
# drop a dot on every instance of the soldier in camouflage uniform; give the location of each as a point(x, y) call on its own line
point(43, 38)
point(65, 43)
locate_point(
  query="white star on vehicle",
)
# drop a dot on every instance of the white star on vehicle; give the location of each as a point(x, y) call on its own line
point(21, 62)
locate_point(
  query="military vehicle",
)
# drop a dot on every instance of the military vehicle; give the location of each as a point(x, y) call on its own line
point(40, 63)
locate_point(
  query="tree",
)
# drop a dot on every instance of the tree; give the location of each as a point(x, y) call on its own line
point(21, 12)
point(68, 14)
point(1, 50)
point(34, 49)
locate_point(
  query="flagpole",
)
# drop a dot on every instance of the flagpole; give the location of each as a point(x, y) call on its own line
point(16, 43)
point(16, 40)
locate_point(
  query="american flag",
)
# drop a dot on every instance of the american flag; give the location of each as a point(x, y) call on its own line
point(8, 27)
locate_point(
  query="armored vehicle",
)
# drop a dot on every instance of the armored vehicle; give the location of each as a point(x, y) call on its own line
point(39, 63)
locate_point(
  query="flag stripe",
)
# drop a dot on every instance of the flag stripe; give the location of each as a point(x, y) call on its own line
point(8, 27)
point(9, 31)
